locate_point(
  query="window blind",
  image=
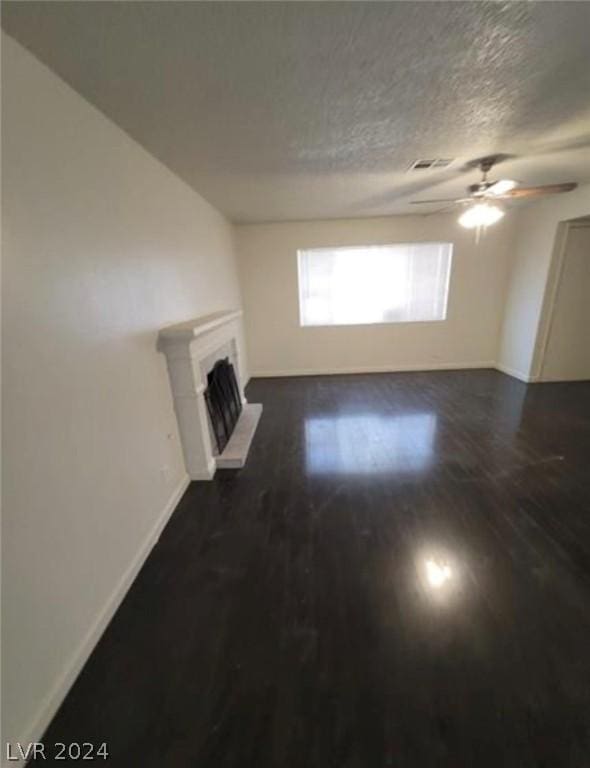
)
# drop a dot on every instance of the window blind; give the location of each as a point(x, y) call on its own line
point(401, 283)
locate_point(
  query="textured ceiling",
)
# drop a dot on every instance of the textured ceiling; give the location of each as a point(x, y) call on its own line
point(277, 111)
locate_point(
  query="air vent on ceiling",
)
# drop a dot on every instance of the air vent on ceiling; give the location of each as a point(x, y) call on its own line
point(423, 165)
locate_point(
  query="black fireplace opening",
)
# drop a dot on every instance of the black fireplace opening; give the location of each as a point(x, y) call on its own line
point(223, 401)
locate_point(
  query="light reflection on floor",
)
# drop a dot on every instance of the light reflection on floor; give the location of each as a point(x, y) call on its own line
point(369, 443)
point(440, 575)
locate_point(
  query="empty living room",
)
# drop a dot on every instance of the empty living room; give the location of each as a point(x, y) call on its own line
point(295, 384)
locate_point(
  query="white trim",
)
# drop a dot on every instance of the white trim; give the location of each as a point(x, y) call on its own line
point(549, 302)
point(50, 704)
point(374, 369)
point(560, 380)
point(208, 473)
point(550, 298)
point(425, 367)
point(192, 329)
point(514, 373)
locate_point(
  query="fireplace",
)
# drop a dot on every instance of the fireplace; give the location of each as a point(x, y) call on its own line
point(224, 403)
point(206, 370)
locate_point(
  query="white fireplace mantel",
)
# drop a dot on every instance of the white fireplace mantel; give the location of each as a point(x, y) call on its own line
point(191, 349)
point(192, 329)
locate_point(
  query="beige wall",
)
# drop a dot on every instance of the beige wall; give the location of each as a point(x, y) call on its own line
point(278, 345)
point(101, 247)
point(532, 279)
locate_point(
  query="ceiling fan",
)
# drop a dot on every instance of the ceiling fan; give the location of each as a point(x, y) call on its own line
point(482, 210)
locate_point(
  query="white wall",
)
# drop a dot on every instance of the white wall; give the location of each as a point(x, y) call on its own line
point(567, 352)
point(277, 345)
point(102, 246)
point(532, 279)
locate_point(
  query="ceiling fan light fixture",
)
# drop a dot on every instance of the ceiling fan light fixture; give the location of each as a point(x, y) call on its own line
point(480, 215)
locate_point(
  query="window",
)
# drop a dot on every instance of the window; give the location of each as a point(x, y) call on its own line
point(403, 283)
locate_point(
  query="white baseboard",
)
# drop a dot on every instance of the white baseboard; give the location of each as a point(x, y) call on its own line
point(396, 369)
point(374, 369)
point(57, 694)
point(559, 380)
point(514, 373)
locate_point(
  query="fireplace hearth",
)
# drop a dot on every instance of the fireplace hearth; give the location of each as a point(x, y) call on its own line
point(224, 403)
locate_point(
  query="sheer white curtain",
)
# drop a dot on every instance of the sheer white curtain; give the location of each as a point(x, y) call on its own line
point(400, 283)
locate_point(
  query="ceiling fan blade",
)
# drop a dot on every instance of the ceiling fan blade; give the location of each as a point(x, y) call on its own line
point(547, 189)
point(445, 208)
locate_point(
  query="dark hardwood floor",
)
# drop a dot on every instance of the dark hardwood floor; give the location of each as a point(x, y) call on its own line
point(399, 577)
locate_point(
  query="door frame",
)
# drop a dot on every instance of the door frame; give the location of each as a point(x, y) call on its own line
point(553, 285)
